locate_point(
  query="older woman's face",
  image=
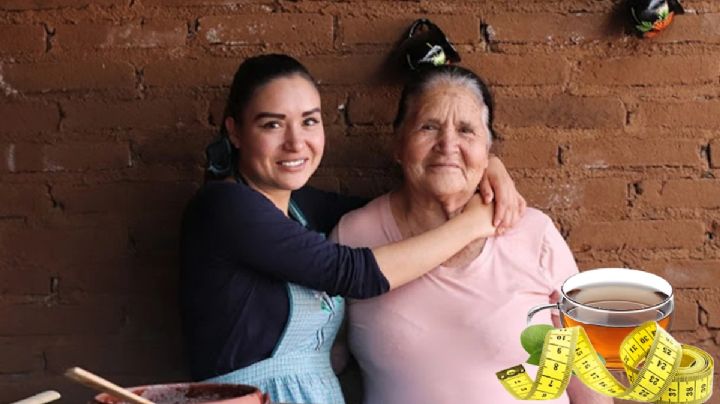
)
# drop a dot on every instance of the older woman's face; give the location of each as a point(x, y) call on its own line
point(444, 141)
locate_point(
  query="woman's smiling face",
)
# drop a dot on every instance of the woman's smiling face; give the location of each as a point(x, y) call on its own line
point(444, 141)
point(280, 137)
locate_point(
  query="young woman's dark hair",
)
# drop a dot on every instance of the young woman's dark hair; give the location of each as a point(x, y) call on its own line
point(422, 79)
point(252, 74)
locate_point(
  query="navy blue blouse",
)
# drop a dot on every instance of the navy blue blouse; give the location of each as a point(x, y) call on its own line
point(237, 253)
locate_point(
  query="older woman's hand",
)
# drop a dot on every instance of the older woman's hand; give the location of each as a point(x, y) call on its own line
point(497, 185)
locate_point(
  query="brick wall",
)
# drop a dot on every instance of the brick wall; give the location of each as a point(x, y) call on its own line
point(105, 107)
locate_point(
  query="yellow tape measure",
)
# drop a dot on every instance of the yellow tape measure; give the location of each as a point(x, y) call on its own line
point(659, 369)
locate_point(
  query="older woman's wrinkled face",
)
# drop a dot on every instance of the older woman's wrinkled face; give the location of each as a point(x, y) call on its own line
point(444, 141)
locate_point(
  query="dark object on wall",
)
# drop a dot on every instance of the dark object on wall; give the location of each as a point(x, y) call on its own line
point(653, 16)
point(219, 155)
point(426, 44)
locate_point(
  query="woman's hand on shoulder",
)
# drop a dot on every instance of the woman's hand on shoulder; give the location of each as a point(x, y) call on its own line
point(480, 214)
point(497, 186)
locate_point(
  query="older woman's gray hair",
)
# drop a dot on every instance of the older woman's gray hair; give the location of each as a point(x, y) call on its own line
point(430, 77)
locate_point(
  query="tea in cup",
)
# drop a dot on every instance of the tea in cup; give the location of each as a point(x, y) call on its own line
point(609, 303)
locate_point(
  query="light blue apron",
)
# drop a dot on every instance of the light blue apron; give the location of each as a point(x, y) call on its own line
point(299, 369)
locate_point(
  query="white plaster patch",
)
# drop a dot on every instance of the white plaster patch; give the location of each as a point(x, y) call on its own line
point(564, 196)
point(10, 158)
point(51, 166)
point(117, 36)
point(5, 87)
point(576, 38)
point(597, 164)
point(213, 34)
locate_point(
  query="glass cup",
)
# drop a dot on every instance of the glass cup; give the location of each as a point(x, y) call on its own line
point(609, 303)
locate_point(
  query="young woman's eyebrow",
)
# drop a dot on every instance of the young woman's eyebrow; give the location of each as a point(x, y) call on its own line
point(312, 111)
point(263, 115)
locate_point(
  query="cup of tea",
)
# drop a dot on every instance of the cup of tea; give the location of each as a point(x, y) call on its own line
point(609, 303)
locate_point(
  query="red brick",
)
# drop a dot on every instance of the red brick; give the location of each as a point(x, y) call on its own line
point(687, 273)
point(23, 199)
point(187, 150)
point(86, 156)
point(20, 281)
point(49, 4)
point(102, 356)
point(174, 3)
point(372, 107)
point(715, 153)
point(188, 73)
point(78, 75)
point(711, 304)
point(585, 264)
point(20, 157)
point(124, 197)
point(638, 234)
point(19, 357)
point(369, 186)
point(512, 70)
point(334, 105)
point(704, 27)
point(167, 197)
point(99, 317)
point(22, 39)
point(217, 110)
point(666, 70)
point(92, 198)
point(28, 117)
point(561, 112)
point(61, 247)
point(7, 157)
point(696, 114)
point(589, 193)
point(330, 184)
point(358, 152)
point(108, 276)
point(131, 114)
point(634, 152)
point(155, 231)
point(540, 153)
point(346, 70)
point(701, 193)
point(155, 275)
point(550, 28)
point(268, 28)
point(389, 30)
point(148, 34)
point(685, 314)
point(160, 315)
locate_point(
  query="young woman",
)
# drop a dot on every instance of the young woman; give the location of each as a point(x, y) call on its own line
point(261, 285)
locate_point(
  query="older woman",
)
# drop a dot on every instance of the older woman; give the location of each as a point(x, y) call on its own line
point(442, 337)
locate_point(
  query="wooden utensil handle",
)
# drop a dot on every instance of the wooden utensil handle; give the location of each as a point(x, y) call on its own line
point(96, 382)
point(41, 398)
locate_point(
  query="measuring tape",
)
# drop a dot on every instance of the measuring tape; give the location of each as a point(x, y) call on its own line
point(659, 369)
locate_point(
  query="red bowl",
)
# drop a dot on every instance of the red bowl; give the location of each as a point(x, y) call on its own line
point(192, 393)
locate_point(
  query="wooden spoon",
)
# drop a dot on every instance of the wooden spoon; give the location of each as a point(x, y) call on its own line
point(41, 398)
point(96, 382)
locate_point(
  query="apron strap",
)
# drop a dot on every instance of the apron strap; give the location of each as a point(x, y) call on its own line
point(295, 212)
